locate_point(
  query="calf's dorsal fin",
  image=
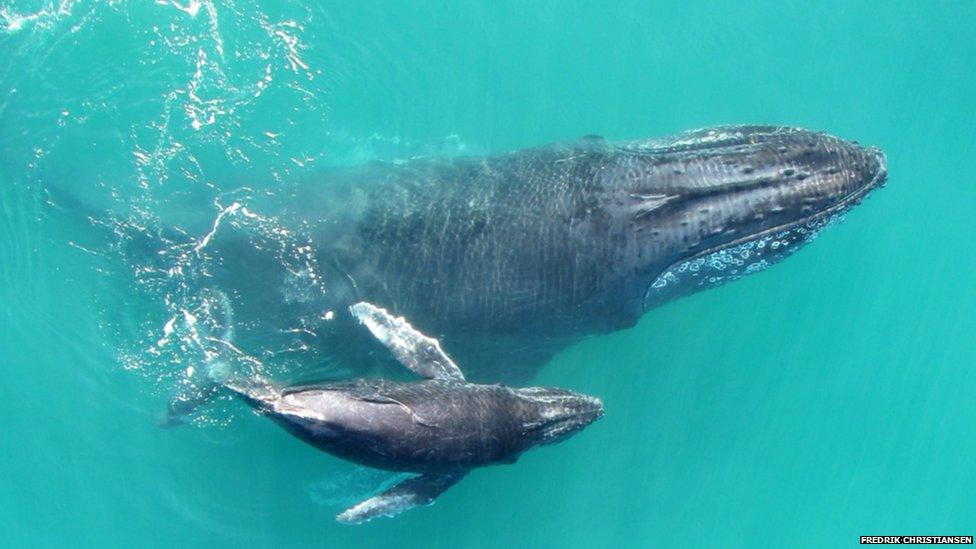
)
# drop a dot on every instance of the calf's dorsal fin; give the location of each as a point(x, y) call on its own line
point(421, 354)
point(413, 492)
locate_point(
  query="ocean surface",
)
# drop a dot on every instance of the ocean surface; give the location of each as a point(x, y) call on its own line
point(829, 397)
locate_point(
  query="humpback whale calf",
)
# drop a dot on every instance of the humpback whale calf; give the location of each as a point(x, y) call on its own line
point(508, 259)
point(441, 427)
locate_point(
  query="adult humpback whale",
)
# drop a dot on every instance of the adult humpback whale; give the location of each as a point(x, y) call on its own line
point(510, 258)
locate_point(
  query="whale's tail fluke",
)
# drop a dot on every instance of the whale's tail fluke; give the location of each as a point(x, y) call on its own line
point(187, 400)
point(256, 392)
point(210, 331)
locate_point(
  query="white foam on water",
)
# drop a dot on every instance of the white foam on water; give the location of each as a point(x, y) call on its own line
point(45, 18)
point(229, 210)
point(191, 8)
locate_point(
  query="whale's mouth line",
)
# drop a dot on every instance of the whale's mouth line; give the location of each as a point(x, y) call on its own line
point(840, 207)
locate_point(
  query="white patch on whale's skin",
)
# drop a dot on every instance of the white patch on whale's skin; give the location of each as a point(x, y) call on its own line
point(421, 354)
point(412, 492)
point(691, 138)
point(648, 203)
point(377, 506)
point(742, 259)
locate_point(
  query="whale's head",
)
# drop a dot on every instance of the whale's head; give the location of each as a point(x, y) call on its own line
point(710, 206)
point(551, 414)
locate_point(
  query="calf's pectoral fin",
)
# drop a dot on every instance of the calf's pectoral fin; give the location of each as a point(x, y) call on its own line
point(422, 354)
point(413, 492)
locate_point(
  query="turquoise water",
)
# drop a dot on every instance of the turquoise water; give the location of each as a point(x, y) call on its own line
point(823, 399)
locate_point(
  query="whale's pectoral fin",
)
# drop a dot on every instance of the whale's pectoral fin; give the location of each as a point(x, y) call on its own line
point(413, 492)
point(422, 354)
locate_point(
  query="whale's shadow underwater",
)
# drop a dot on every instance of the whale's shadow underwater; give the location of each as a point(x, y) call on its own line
point(508, 259)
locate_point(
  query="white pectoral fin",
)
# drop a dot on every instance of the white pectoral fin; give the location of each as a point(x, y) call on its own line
point(421, 354)
point(413, 492)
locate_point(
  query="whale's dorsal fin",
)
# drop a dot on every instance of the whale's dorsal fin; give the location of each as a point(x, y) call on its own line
point(415, 491)
point(422, 354)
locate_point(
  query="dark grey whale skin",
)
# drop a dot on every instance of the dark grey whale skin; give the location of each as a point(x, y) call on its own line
point(440, 427)
point(508, 259)
point(433, 426)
